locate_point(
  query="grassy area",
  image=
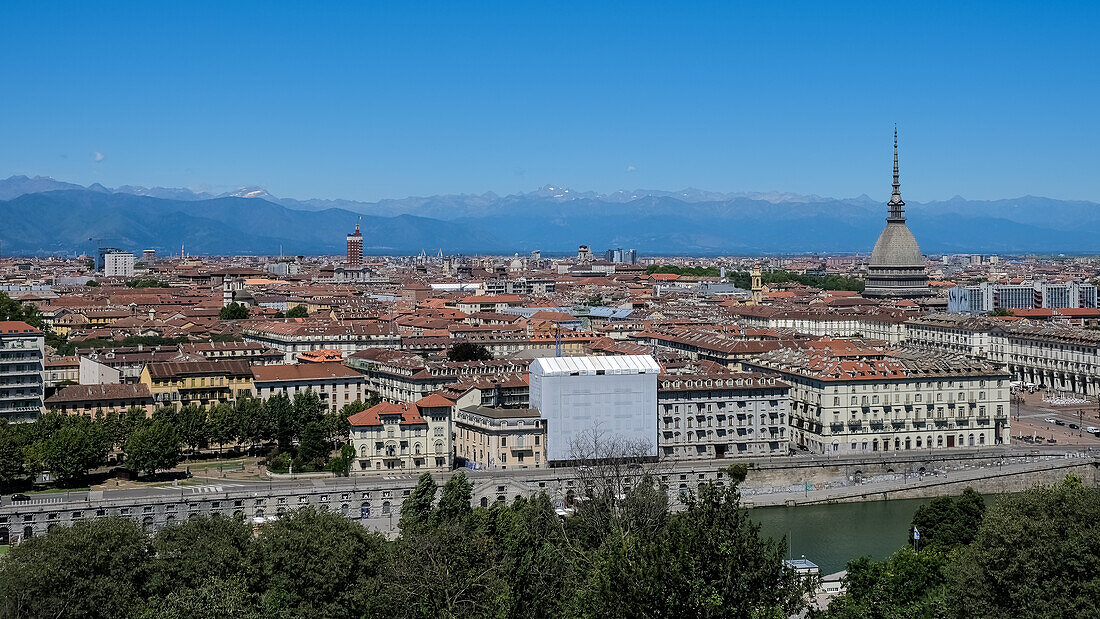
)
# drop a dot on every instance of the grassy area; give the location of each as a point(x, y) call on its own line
point(4, 550)
point(234, 463)
point(57, 490)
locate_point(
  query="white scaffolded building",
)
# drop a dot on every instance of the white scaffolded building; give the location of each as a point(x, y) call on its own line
point(615, 395)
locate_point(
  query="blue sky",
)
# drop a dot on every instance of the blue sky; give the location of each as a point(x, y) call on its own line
point(375, 100)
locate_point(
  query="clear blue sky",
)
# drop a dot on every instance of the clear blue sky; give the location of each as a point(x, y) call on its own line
point(373, 100)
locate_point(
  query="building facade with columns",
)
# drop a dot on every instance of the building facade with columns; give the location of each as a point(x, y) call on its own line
point(875, 400)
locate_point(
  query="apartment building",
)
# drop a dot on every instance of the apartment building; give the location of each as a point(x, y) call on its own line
point(399, 376)
point(336, 384)
point(613, 395)
point(21, 357)
point(872, 400)
point(951, 333)
point(405, 436)
point(213, 351)
point(703, 345)
point(524, 286)
point(488, 303)
point(489, 437)
point(705, 411)
point(292, 337)
point(1050, 355)
point(877, 324)
point(118, 264)
point(99, 400)
point(988, 296)
point(205, 383)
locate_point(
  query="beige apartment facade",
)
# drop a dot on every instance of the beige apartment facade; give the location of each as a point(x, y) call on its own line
point(500, 438)
point(874, 402)
point(402, 436)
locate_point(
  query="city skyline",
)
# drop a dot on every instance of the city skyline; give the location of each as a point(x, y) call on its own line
point(392, 101)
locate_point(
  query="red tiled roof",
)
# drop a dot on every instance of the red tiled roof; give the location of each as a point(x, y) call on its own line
point(499, 298)
point(410, 414)
point(93, 393)
point(302, 371)
point(434, 400)
point(17, 327)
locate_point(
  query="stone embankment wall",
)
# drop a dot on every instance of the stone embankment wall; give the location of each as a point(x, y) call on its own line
point(823, 481)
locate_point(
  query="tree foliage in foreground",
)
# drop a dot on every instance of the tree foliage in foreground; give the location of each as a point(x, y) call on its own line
point(450, 560)
point(1032, 554)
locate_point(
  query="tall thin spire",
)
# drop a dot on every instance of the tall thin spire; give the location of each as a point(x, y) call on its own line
point(896, 204)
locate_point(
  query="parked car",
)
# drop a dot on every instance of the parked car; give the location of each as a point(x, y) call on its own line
point(1092, 429)
point(1059, 422)
point(1049, 420)
point(1073, 426)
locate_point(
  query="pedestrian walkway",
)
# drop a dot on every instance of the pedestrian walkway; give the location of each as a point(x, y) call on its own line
point(202, 489)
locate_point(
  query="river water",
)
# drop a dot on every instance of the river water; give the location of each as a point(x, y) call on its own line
point(831, 535)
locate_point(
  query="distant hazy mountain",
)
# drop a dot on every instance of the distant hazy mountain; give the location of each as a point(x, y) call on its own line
point(49, 216)
point(16, 186)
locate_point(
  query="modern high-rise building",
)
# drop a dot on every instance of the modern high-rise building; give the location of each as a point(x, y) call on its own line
point(101, 257)
point(987, 296)
point(21, 354)
point(118, 264)
point(614, 397)
point(355, 248)
point(620, 256)
point(896, 268)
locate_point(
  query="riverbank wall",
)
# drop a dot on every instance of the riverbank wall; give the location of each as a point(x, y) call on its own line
point(913, 477)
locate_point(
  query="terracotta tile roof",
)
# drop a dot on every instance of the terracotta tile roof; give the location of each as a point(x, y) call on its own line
point(434, 400)
point(93, 393)
point(302, 371)
point(409, 413)
point(228, 367)
point(17, 327)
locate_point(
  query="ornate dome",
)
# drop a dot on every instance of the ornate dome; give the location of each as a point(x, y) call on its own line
point(896, 247)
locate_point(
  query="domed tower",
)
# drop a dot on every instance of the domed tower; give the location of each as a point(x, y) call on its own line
point(897, 267)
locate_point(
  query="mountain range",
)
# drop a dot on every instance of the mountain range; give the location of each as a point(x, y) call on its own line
point(44, 216)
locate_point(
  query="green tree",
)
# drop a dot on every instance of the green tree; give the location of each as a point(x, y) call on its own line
point(337, 427)
point(316, 564)
point(67, 446)
point(278, 413)
point(251, 421)
point(211, 599)
point(11, 455)
point(298, 311)
point(708, 560)
point(222, 424)
point(454, 500)
point(202, 548)
point(468, 351)
point(533, 556)
point(444, 571)
point(312, 447)
point(907, 584)
point(1037, 554)
point(193, 424)
point(308, 409)
point(949, 521)
point(416, 509)
point(153, 447)
point(95, 568)
point(233, 311)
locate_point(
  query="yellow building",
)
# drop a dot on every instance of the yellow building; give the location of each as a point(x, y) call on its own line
point(100, 400)
point(205, 383)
